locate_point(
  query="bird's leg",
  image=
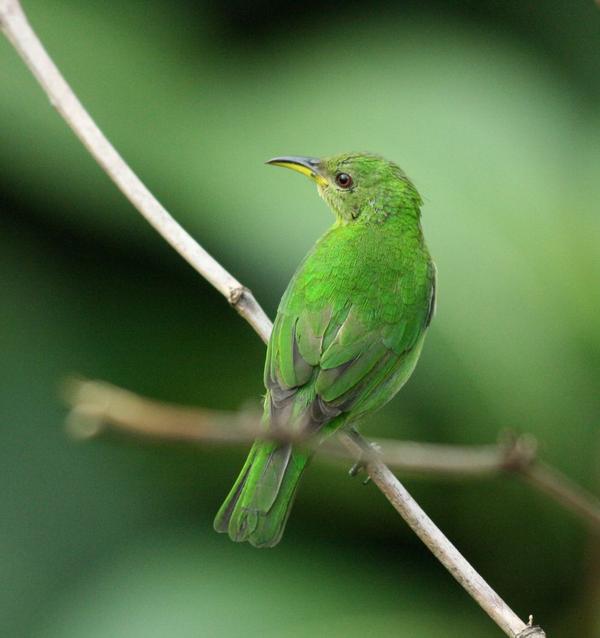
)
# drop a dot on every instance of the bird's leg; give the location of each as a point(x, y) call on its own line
point(360, 464)
point(368, 449)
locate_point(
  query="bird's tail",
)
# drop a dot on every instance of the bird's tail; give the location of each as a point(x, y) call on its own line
point(260, 501)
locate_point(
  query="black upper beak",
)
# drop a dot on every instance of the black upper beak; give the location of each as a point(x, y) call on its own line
point(309, 166)
point(308, 162)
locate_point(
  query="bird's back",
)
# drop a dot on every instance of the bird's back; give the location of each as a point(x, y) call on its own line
point(353, 313)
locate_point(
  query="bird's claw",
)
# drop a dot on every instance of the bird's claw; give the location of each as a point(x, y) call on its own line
point(357, 468)
point(360, 465)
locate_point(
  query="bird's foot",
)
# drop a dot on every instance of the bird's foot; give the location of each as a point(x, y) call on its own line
point(369, 449)
point(361, 463)
point(357, 468)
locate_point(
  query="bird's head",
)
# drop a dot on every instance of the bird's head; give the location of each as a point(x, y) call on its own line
point(358, 187)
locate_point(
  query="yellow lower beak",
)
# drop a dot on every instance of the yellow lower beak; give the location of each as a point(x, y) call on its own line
point(308, 166)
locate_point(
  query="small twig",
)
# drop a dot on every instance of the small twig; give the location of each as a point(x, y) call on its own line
point(18, 31)
point(562, 489)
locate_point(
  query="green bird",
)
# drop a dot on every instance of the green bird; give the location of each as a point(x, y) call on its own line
point(348, 333)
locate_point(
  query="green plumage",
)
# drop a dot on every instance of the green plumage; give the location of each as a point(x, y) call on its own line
point(348, 332)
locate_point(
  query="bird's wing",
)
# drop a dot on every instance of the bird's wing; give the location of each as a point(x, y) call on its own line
point(322, 362)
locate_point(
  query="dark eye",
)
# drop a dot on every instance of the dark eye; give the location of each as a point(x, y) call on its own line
point(343, 180)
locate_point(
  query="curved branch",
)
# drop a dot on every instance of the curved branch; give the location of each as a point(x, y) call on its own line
point(16, 28)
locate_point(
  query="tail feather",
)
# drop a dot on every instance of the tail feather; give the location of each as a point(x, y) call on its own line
point(260, 501)
point(269, 529)
point(221, 523)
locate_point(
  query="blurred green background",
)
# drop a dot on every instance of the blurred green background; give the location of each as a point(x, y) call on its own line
point(493, 110)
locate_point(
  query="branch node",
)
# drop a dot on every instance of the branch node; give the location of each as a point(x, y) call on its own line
point(236, 295)
point(519, 452)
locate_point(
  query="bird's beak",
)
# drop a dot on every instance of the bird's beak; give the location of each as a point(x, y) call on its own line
point(309, 166)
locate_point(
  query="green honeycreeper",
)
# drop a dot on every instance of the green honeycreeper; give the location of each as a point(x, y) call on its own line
point(348, 332)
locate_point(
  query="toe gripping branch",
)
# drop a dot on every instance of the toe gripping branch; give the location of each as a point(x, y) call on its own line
point(369, 450)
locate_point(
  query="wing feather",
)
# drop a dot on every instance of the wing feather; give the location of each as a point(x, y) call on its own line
point(324, 361)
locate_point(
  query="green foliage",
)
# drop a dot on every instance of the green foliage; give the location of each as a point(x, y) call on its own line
point(115, 537)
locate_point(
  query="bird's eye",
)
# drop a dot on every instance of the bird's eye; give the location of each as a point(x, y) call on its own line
point(343, 180)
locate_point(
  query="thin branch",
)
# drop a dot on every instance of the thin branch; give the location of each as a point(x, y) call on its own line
point(562, 489)
point(97, 406)
point(440, 546)
point(16, 28)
